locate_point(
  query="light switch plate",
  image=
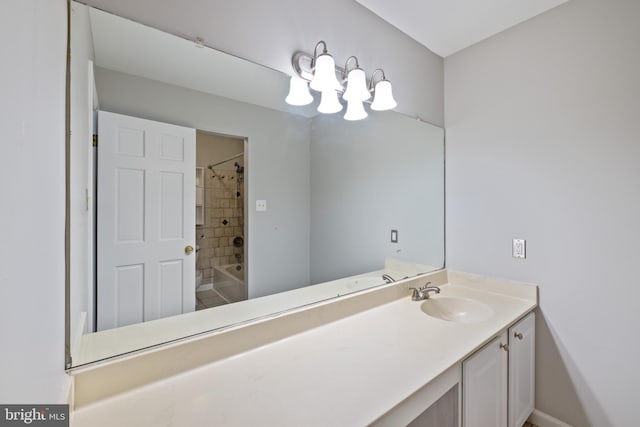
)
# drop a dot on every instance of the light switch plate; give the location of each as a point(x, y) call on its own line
point(519, 248)
point(261, 205)
point(394, 236)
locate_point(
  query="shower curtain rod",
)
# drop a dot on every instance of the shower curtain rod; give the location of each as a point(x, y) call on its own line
point(226, 160)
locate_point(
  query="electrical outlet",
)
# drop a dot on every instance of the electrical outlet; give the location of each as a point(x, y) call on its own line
point(261, 205)
point(519, 248)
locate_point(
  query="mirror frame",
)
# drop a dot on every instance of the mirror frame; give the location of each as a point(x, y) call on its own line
point(67, 207)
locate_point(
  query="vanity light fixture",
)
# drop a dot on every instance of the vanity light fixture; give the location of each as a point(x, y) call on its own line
point(356, 92)
point(329, 102)
point(324, 70)
point(325, 80)
point(298, 92)
point(383, 96)
point(325, 77)
point(355, 111)
point(356, 83)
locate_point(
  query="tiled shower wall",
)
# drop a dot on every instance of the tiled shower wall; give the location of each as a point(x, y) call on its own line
point(224, 221)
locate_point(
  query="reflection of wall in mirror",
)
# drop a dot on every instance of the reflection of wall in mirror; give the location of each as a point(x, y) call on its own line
point(277, 167)
point(385, 172)
point(81, 202)
point(367, 178)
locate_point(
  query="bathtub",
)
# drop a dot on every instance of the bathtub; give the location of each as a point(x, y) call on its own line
point(228, 282)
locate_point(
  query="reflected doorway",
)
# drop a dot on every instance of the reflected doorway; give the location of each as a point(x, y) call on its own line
point(220, 220)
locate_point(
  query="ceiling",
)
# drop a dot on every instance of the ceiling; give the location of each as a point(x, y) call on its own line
point(447, 26)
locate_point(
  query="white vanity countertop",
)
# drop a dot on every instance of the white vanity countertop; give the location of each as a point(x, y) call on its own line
point(345, 373)
point(105, 344)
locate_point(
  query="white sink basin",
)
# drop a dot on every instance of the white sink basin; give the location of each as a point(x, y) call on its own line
point(456, 309)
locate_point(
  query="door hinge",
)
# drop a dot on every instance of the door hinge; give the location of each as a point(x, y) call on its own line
point(95, 140)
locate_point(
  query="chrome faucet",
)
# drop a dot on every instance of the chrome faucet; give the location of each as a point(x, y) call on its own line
point(388, 279)
point(420, 294)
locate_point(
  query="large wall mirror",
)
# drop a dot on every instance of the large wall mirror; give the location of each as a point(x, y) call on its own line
point(205, 201)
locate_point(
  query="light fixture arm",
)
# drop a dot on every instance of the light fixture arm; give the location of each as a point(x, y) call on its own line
point(315, 52)
point(346, 69)
point(372, 82)
point(382, 92)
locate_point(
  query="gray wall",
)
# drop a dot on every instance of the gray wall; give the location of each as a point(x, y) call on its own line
point(32, 210)
point(543, 125)
point(368, 177)
point(269, 32)
point(277, 167)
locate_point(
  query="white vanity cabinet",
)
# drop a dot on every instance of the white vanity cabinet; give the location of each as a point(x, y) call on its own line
point(484, 386)
point(522, 365)
point(498, 380)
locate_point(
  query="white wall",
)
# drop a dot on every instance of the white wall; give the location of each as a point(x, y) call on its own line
point(369, 177)
point(543, 125)
point(277, 167)
point(32, 202)
point(269, 32)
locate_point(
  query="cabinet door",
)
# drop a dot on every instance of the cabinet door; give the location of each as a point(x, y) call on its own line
point(522, 370)
point(484, 386)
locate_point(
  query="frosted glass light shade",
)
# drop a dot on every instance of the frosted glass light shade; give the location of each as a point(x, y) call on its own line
point(298, 92)
point(324, 75)
point(356, 86)
point(329, 102)
point(355, 111)
point(383, 97)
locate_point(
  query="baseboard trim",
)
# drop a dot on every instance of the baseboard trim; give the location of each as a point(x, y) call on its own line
point(542, 419)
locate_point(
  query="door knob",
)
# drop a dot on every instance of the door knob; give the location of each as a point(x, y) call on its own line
point(518, 335)
point(188, 249)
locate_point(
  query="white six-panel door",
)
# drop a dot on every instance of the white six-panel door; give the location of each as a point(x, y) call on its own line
point(146, 219)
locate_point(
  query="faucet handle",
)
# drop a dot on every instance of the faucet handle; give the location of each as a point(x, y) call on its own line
point(426, 285)
point(415, 296)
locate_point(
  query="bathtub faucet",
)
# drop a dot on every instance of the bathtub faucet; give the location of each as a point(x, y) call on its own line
point(388, 279)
